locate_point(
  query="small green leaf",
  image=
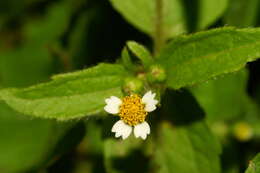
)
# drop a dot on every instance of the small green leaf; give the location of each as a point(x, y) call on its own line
point(68, 96)
point(197, 58)
point(140, 52)
point(142, 14)
point(126, 60)
point(254, 165)
point(182, 149)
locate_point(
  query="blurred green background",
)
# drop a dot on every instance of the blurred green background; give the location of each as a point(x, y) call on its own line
point(40, 38)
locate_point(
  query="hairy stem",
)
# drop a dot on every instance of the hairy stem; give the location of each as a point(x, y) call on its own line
point(159, 39)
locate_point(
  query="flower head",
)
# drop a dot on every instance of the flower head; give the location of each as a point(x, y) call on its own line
point(132, 111)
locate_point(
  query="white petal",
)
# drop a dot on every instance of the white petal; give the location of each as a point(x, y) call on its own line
point(142, 130)
point(121, 129)
point(113, 104)
point(149, 101)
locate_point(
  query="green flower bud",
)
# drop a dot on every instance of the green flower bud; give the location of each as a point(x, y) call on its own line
point(132, 85)
point(156, 74)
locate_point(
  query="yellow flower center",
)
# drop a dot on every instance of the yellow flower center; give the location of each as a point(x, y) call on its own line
point(132, 110)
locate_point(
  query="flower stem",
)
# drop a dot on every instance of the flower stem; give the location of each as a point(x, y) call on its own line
point(159, 38)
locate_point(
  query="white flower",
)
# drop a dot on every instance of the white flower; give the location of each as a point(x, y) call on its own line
point(132, 111)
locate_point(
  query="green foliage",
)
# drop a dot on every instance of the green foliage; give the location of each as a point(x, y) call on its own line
point(140, 52)
point(40, 37)
point(72, 95)
point(172, 23)
point(187, 149)
point(189, 60)
point(142, 14)
point(254, 165)
point(248, 10)
point(216, 96)
point(40, 136)
point(208, 13)
point(200, 81)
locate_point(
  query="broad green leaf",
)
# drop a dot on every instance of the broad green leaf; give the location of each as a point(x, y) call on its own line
point(210, 11)
point(254, 165)
point(224, 98)
point(189, 148)
point(142, 14)
point(242, 13)
point(197, 58)
point(68, 96)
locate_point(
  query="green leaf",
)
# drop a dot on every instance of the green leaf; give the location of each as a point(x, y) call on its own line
point(126, 60)
point(182, 141)
point(21, 136)
point(196, 58)
point(247, 10)
point(254, 165)
point(182, 149)
point(142, 14)
point(224, 98)
point(175, 14)
point(140, 52)
point(68, 96)
point(210, 11)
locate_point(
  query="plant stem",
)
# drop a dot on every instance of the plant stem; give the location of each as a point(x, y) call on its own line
point(159, 39)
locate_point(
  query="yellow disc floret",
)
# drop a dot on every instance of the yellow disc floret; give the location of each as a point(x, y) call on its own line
point(132, 110)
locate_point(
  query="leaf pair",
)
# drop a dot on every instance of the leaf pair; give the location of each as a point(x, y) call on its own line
point(188, 60)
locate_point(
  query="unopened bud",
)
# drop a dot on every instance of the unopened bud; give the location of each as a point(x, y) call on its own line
point(133, 85)
point(156, 74)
